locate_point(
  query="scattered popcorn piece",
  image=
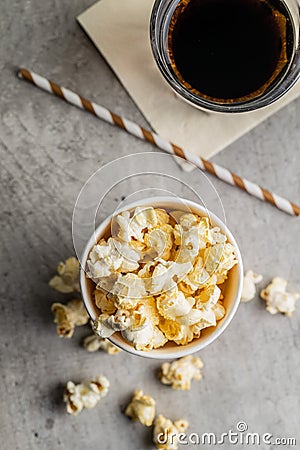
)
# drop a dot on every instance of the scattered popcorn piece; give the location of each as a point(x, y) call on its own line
point(67, 279)
point(86, 394)
point(277, 299)
point(68, 316)
point(249, 289)
point(181, 372)
point(93, 343)
point(141, 408)
point(166, 432)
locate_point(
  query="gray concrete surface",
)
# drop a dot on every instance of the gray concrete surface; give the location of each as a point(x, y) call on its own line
point(48, 149)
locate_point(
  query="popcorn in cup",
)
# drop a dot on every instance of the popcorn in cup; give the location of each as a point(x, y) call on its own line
point(162, 278)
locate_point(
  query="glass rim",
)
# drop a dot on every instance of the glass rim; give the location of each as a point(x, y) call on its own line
point(162, 10)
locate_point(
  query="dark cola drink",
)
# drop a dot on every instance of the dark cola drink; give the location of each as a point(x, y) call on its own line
point(230, 50)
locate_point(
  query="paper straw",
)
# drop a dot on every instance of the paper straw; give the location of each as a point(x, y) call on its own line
point(218, 171)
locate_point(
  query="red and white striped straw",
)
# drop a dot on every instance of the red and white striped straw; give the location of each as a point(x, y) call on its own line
point(140, 132)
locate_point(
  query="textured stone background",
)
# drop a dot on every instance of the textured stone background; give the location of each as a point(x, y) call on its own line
point(48, 149)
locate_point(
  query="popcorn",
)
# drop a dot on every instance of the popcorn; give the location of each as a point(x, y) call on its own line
point(181, 372)
point(86, 394)
point(104, 301)
point(277, 299)
point(162, 217)
point(109, 257)
point(197, 278)
point(141, 408)
point(143, 334)
point(192, 318)
point(208, 319)
point(170, 328)
point(133, 227)
point(126, 232)
point(173, 304)
point(249, 289)
point(219, 311)
point(166, 433)
point(105, 325)
point(157, 278)
point(167, 274)
point(186, 288)
point(160, 241)
point(158, 338)
point(188, 220)
point(130, 287)
point(219, 259)
point(189, 243)
point(151, 311)
point(215, 236)
point(147, 338)
point(67, 279)
point(107, 283)
point(93, 343)
point(145, 217)
point(68, 316)
point(191, 234)
point(208, 297)
point(140, 338)
point(174, 331)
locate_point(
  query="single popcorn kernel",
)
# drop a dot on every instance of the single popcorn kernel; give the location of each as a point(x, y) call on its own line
point(160, 241)
point(104, 301)
point(93, 343)
point(249, 289)
point(68, 316)
point(277, 299)
point(85, 395)
point(166, 433)
point(162, 217)
point(141, 408)
point(67, 279)
point(159, 277)
point(181, 372)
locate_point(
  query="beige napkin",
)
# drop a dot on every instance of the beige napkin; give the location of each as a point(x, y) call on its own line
point(120, 30)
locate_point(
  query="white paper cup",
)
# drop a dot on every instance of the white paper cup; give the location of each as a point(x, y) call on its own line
point(232, 292)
